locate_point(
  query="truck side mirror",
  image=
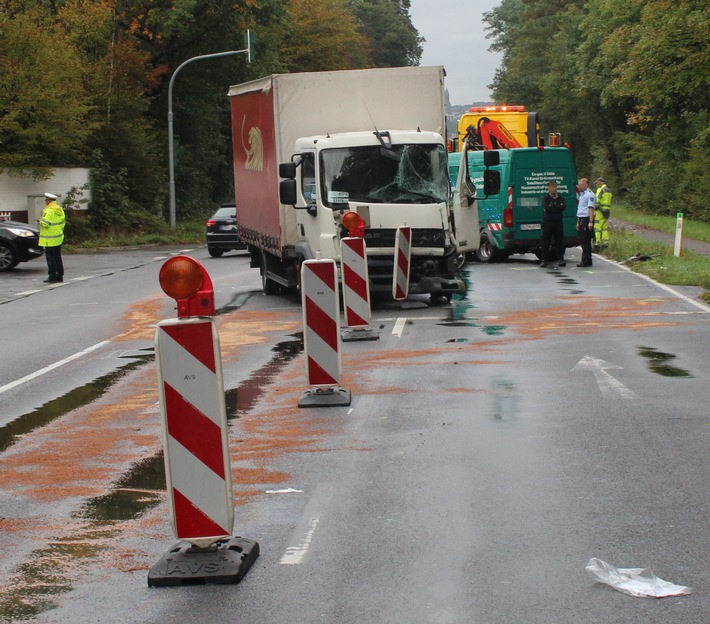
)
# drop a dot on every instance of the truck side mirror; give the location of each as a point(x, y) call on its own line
point(491, 182)
point(287, 190)
point(491, 158)
point(287, 170)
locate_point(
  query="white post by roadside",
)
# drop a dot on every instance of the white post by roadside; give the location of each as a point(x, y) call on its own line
point(678, 233)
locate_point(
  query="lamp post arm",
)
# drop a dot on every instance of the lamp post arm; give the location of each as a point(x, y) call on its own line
point(171, 154)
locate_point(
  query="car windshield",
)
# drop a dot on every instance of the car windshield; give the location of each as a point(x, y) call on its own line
point(402, 174)
point(225, 213)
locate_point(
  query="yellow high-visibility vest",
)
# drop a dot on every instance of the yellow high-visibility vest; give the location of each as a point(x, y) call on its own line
point(604, 197)
point(51, 225)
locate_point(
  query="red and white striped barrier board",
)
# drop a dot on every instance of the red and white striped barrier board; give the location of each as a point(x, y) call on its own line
point(356, 283)
point(402, 258)
point(495, 227)
point(197, 463)
point(321, 322)
point(321, 334)
point(510, 197)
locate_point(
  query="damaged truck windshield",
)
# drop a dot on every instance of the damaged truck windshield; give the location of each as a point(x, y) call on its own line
point(400, 174)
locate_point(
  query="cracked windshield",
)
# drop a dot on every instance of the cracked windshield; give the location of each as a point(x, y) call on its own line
point(401, 174)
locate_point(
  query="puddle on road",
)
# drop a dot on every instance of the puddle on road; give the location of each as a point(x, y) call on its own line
point(657, 362)
point(489, 330)
point(56, 408)
point(47, 571)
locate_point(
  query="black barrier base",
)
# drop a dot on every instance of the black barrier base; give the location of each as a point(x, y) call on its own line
point(324, 397)
point(226, 561)
point(351, 334)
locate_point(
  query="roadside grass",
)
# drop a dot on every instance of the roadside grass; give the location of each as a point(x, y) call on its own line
point(689, 269)
point(186, 233)
point(665, 223)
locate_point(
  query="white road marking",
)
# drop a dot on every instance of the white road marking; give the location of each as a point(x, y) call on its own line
point(608, 386)
point(295, 554)
point(303, 535)
point(351, 410)
point(285, 491)
point(399, 326)
point(82, 278)
point(668, 289)
point(46, 369)
point(27, 292)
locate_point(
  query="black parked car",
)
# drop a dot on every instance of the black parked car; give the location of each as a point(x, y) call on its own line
point(19, 242)
point(222, 231)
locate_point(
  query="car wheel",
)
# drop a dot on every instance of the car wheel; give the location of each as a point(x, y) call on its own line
point(487, 251)
point(214, 252)
point(8, 259)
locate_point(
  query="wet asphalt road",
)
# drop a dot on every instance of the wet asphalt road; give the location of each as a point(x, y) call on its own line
point(492, 447)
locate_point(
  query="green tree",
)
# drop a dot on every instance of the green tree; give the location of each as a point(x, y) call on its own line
point(323, 36)
point(387, 24)
point(44, 110)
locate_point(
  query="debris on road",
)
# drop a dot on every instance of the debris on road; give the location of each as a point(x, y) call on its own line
point(638, 582)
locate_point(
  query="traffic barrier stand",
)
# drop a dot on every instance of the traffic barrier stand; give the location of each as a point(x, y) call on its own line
point(321, 335)
point(356, 291)
point(194, 434)
point(402, 261)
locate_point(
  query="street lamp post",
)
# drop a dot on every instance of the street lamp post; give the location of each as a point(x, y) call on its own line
point(171, 155)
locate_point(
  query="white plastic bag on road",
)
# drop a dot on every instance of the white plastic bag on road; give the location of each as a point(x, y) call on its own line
point(639, 582)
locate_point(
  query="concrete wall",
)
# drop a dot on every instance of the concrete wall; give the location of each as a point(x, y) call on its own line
point(19, 196)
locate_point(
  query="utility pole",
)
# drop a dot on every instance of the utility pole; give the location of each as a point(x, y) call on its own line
point(249, 38)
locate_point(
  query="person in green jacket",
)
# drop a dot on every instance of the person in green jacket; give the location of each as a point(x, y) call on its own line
point(51, 237)
point(601, 233)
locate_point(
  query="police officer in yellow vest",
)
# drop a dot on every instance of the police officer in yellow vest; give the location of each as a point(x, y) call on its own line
point(601, 233)
point(51, 237)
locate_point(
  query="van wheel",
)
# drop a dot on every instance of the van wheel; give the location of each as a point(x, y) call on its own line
point(487, 251)
point(214, 252)
point(269, 286)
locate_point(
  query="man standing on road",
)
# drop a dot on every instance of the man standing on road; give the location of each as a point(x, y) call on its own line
point(585, 221)
point(51, 237)
point(553, 205)
point(603, 207)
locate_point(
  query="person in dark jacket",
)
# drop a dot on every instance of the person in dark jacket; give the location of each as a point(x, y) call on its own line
point(553, 205)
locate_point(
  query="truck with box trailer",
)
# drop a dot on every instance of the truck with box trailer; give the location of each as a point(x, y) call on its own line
point(311, 147)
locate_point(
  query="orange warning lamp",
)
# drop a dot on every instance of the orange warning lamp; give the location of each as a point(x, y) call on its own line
point(186, 280)
point(354, 224)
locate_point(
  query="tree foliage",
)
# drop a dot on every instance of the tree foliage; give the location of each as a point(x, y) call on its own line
point(85, 83)
point(625, 81)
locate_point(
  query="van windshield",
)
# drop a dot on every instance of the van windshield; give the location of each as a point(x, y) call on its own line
point(404, 174)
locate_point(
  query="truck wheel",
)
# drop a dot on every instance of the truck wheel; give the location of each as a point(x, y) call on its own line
point(8, 260)
point(487, 251)
point(214, 252)
point(269, 286)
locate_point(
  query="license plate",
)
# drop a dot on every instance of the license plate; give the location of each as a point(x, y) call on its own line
point(530, 226)
point(228, 228)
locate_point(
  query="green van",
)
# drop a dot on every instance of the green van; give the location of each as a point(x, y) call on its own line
point(511, 220)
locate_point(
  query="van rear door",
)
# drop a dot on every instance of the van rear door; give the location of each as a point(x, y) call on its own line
point(531, 170)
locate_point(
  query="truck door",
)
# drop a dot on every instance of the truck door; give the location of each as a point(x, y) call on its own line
point(316, 222)
point(465, 210)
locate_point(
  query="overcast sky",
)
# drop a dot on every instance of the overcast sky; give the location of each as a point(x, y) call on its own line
point(455, 38)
